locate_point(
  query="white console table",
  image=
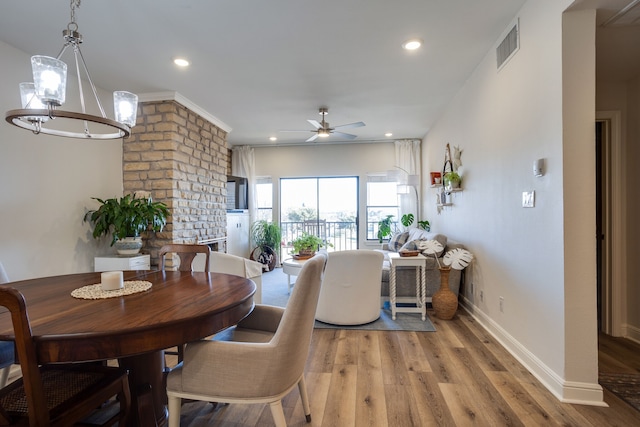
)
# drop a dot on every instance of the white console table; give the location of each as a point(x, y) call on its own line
point(122, 262)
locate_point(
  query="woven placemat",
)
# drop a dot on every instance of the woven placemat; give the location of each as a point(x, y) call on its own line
point(96, 292)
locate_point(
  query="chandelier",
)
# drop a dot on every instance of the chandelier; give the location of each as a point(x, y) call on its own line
point(41, 98)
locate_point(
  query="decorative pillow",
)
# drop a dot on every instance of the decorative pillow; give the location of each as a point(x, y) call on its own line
point(398, 240)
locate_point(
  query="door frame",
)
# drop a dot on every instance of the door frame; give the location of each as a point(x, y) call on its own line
point(614, 263)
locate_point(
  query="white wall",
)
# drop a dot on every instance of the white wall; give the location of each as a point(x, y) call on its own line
point(46, 184)
point(326, 160)
point(504, 121)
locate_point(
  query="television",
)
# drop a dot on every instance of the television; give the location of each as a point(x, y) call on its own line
point(237, 193)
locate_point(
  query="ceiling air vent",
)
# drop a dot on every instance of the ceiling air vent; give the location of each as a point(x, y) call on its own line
point(508, 46)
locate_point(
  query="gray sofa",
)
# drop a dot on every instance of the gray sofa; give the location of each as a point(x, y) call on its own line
point(406, 276)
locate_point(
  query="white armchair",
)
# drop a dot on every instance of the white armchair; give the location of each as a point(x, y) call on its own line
point(350, 293)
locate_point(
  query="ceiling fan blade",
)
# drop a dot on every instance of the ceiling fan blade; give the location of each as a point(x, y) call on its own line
point(299, 130)
point(315, 124)
point(350, 125)
point(344, 135)
point(313, 138)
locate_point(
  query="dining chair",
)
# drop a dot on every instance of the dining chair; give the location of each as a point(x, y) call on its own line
point(186, 253)
point(7, 353)
point(258, 361)
point(56, 395)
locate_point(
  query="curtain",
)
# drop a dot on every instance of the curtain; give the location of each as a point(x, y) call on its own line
point(408, 163)
point(243, 164)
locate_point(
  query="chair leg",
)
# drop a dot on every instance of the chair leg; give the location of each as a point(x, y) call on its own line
point(4, 376)
point(277, 412)
point(302, 386)
point(175, 403)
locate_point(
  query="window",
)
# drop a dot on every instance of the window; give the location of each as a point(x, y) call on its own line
point(382, 200)
point(264, 199)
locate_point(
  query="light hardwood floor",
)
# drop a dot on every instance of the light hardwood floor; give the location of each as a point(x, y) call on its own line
point(457, 376)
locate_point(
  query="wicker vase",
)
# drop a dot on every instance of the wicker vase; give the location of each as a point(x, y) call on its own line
point(444, 302)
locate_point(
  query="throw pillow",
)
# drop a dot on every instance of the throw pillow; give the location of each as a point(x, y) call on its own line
point(398, 240)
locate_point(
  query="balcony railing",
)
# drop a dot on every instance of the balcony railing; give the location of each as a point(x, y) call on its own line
point(341, 235)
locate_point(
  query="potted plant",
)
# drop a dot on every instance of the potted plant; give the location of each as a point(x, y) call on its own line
point(407, 220)
point(266, 236)
point(125, 218)
point(384, 228)
point(306, 245)
point(452, 180)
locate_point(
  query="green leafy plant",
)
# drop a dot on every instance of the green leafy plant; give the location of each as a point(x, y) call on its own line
point(407, 219)
point(424, 225)
point(453, 178)
point(127, 216)
point(308, 242)
point(265, 233)
point(384, 228)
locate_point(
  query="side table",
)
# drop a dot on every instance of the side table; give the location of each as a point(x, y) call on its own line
point(419, 262)
point(122, 262)
point(292, 267)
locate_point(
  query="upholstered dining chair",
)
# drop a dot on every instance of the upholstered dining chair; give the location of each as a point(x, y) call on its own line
point(350, 293)
point(7, 356)
point(56, 395)
point(258, 361)
point(186, 253)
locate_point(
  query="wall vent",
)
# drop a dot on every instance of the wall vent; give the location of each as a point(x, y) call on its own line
point(509, 45)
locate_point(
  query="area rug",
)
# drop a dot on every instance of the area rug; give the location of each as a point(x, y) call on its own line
point(275, 291)
point(625, 386)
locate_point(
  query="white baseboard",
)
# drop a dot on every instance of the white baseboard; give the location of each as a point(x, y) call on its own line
point(631, 332)
point(565, 391)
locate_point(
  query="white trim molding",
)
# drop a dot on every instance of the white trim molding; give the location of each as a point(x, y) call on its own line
point(175, 96)
point(565, 391)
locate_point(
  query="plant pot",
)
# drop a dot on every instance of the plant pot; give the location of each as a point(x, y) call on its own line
point(444, 302)
point(306, 253)
point(128, 245)
point(266, 256)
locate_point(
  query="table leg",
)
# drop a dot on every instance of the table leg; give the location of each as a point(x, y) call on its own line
point(392, 291)
point(289, 281)
point(146, 377)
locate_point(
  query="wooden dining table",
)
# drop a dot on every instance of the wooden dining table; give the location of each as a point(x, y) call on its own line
point(135, 329)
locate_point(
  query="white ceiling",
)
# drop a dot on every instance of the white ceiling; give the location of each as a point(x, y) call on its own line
point(262, 66)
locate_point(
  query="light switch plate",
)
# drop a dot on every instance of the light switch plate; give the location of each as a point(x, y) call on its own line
point(528, 199)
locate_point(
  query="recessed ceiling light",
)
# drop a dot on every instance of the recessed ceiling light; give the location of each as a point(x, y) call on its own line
point(388, 134)
point(273, 138)
point(412, 44)
point(181, 62)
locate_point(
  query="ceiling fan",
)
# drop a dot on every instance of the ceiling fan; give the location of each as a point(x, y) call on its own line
point(323, 130)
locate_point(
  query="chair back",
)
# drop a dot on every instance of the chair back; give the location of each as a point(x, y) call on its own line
point(186, 253)
point(351, 287)
point(13, 300)
point(293, 336)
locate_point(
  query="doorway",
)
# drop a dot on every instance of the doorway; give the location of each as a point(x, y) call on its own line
point(323, 206)
point(610, 228)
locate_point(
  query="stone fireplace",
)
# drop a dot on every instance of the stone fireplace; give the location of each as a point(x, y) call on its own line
point(180, 158)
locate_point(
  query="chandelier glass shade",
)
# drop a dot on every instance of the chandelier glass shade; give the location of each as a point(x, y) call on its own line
point(42, 98)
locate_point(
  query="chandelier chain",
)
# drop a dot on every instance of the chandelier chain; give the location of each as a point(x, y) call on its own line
point(73, 25)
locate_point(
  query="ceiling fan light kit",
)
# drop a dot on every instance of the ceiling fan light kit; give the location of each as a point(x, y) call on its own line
point(41, 99)
point(323, 130)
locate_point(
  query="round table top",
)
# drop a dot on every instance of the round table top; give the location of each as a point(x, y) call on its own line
point(180, 307)
point(295, 262)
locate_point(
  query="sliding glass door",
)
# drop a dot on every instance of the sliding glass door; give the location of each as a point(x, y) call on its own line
point(324, 206)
